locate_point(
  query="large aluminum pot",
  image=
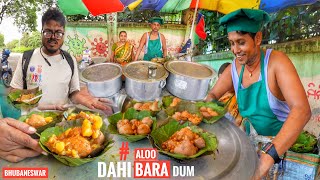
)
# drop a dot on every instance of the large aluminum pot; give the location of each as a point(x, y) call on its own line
point(103, 80)
point(144, 80)
point(188, 80)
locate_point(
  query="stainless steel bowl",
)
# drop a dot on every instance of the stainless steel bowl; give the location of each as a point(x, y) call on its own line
point(188, 80)
point(103, 80)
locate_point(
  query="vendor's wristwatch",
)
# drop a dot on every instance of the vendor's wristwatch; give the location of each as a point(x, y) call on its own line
point(271, 150)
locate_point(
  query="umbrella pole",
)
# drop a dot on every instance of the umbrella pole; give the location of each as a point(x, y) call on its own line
point(193, 22)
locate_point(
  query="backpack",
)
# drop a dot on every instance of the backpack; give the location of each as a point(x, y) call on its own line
point(26, 60)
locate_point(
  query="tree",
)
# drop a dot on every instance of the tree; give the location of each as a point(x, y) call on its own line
point(12, 44)
point(34, 40)
point(24, 40)
point(23, 12)
point(1, 40)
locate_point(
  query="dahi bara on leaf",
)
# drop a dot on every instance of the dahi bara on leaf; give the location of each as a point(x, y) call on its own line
point(170, 101)
point(148, 106)
point(184, 142)
point(134, 126)
point(186, 116)
point(25, 97)
point(42, 120)
point(37, 120)
point(77, 142)
point(208, 112)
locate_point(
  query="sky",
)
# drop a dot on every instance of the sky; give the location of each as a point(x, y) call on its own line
point(11, 32)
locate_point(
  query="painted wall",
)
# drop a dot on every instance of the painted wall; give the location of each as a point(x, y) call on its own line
point(99, 37)
point(304, 55)
point(79, 39)
point(174, 35)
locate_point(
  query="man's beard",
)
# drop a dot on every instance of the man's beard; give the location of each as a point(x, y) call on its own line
point(51, 51)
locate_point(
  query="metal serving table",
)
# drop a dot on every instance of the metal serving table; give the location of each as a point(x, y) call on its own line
point(236, 158)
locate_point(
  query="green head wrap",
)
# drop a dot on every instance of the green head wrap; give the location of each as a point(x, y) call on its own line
point(156, 19)
point(248, 20)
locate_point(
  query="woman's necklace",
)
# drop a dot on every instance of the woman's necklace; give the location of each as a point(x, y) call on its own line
point(251, 71)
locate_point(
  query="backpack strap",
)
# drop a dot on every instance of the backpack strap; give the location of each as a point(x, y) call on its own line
point(26, 60)
point(25, 63)
point(69, 60)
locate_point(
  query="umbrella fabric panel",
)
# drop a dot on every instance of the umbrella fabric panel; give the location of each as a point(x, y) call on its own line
point(276, 5)
point(153, 4)
point(225, 6)
point(160, 5)
point(99, 7)
point(127, 2)
point(73, 7)
point(133, 5)
point(176, 5)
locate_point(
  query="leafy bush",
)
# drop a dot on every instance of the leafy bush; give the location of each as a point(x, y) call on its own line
point(21, 49)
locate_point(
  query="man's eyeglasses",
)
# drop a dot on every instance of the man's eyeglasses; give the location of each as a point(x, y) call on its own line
point(48, 34)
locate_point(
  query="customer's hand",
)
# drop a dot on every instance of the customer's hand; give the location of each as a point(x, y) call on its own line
point(15, 141)
point(85, 98)
point(58, 107)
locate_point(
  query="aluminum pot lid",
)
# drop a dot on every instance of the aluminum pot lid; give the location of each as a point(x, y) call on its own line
point(101, 72)
point(190, 69)
point(139, 70)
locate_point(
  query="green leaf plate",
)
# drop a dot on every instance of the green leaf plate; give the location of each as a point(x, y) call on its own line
point(129, 114)
point(56, 115)
point(163, 133)
point(11, 98)
point(69, 161)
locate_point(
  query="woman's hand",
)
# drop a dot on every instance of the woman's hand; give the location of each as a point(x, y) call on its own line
point(15, 141)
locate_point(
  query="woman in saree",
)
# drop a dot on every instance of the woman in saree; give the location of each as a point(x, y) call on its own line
point(122, 51)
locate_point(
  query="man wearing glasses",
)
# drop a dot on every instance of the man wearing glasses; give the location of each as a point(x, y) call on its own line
point(50, 69)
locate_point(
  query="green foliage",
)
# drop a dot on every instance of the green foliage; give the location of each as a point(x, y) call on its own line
point(305, 143)
point(213, 30)
point(1, 40)
point(34, 40)
point(27, 42)
point(21, 49)
point(23, 12)
point(24, 40)
point(12, 44)
point(294, 23)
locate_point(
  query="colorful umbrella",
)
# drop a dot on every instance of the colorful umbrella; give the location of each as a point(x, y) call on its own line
point(73, 7)
point(271, 6)
point(95, 7)
point(98, 7)
point(225, 6)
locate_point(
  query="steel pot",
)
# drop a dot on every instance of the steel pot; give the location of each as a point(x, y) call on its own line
point(103, 80)
point(188, 80)
point(144, 80)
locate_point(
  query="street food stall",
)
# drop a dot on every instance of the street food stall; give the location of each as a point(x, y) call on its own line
point(226, 162)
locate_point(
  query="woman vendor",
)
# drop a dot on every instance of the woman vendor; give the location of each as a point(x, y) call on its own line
point(122, 51)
